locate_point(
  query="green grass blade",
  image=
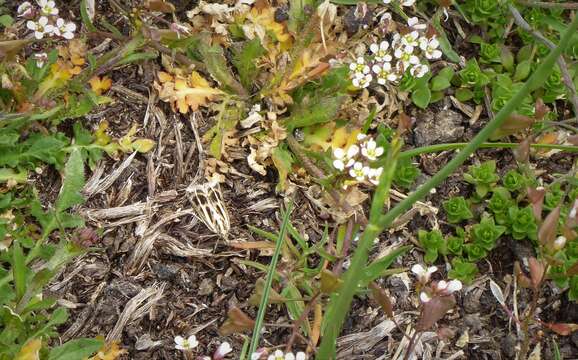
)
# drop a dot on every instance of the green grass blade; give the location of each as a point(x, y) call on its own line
point(339, 306)
point(269, 281)
point(18, 270)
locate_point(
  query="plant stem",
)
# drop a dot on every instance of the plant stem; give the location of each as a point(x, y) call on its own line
point(487, 145)
point(339, 306)
point(269, 281)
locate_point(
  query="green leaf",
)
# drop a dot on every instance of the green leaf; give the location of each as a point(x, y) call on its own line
point(313, 112)
point(376, 269)
point(84, 16)
point(216, 63)
point(445, 44)
point(75, 349)
point(464, 94)
point(19, 269)
point(442, 80)
point(421, 96)
point(6, 20)
point(72, 183)
point(523, 70)
point(245, 61)
point(139, 56)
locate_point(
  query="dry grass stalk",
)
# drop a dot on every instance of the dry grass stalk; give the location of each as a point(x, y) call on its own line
point(136, 308)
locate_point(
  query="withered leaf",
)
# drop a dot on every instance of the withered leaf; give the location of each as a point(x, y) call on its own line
point(329, 282)
point(237, 321)
point(274, 296)
point(549, 228)
point(382, 299)
point(434, 310)
point(563, 329)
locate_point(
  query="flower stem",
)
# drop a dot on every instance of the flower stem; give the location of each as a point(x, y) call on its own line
point(340, 304)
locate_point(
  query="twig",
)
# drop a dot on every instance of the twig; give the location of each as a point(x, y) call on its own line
point(548, 5)
point(567, 78)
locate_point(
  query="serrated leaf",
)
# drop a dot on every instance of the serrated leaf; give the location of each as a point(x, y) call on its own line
point(245, 60)
point(72, 184)
point(75, 349)
point(216, 63)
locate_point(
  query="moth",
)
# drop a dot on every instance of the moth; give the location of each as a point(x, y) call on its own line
point(207, 201)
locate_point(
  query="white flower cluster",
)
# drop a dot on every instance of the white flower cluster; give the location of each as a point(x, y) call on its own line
point(279, 355)
point(390, 61)
point(44, 20)
point(440, 288)
point(191, 342)
point(356, 159)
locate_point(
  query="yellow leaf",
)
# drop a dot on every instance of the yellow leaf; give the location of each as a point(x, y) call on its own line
point(109, 351)
point(30, 351)
point(102, 138)
point(143, 145)
point(184, 94)
point(266, 18)
point(100, 85)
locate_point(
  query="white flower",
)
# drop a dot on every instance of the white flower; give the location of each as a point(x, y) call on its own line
point(47, 7)
point(279, 355)
point(380, 51)
point(359, 67)
point(40, 28)
point(419, 70)
point(186, 344)
point(358, 171)
point(406, 57)
point(410, 39)
point(386, 1)
point(361, 136)
point(430, 47)
point(448, 288)
point(342, 159)
point(559, 243)
point(423, 274)
point(424, 297)
point(374, 175)
point(413, 23)
point(64, 29)
point(371, 151)
point(407, 2)
point(257, 355)
point(25, 10)
point(384, 73)
point(362, 81)
point(40, 59)
point(222, 350)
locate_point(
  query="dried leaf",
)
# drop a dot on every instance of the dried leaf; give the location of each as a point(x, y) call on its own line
point(564, 329)
point(237, 321)
point(523, 280)
point(109, 351)
point(382, 299)
point(274, 296)
point(536, 198)
point(100, 85)
point(497, 292)
point(513, 124)
point(160, 5)
point(329, 282)
point(536, 271)
point(185, 93)
point(434, 310)
point(549, 228)
point(30, 351)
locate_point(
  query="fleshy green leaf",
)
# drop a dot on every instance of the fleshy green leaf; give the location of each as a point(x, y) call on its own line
point(72, 183)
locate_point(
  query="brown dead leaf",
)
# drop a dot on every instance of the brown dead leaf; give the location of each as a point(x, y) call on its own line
point(109, 351)
point(237, 321)
point(564, 329)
